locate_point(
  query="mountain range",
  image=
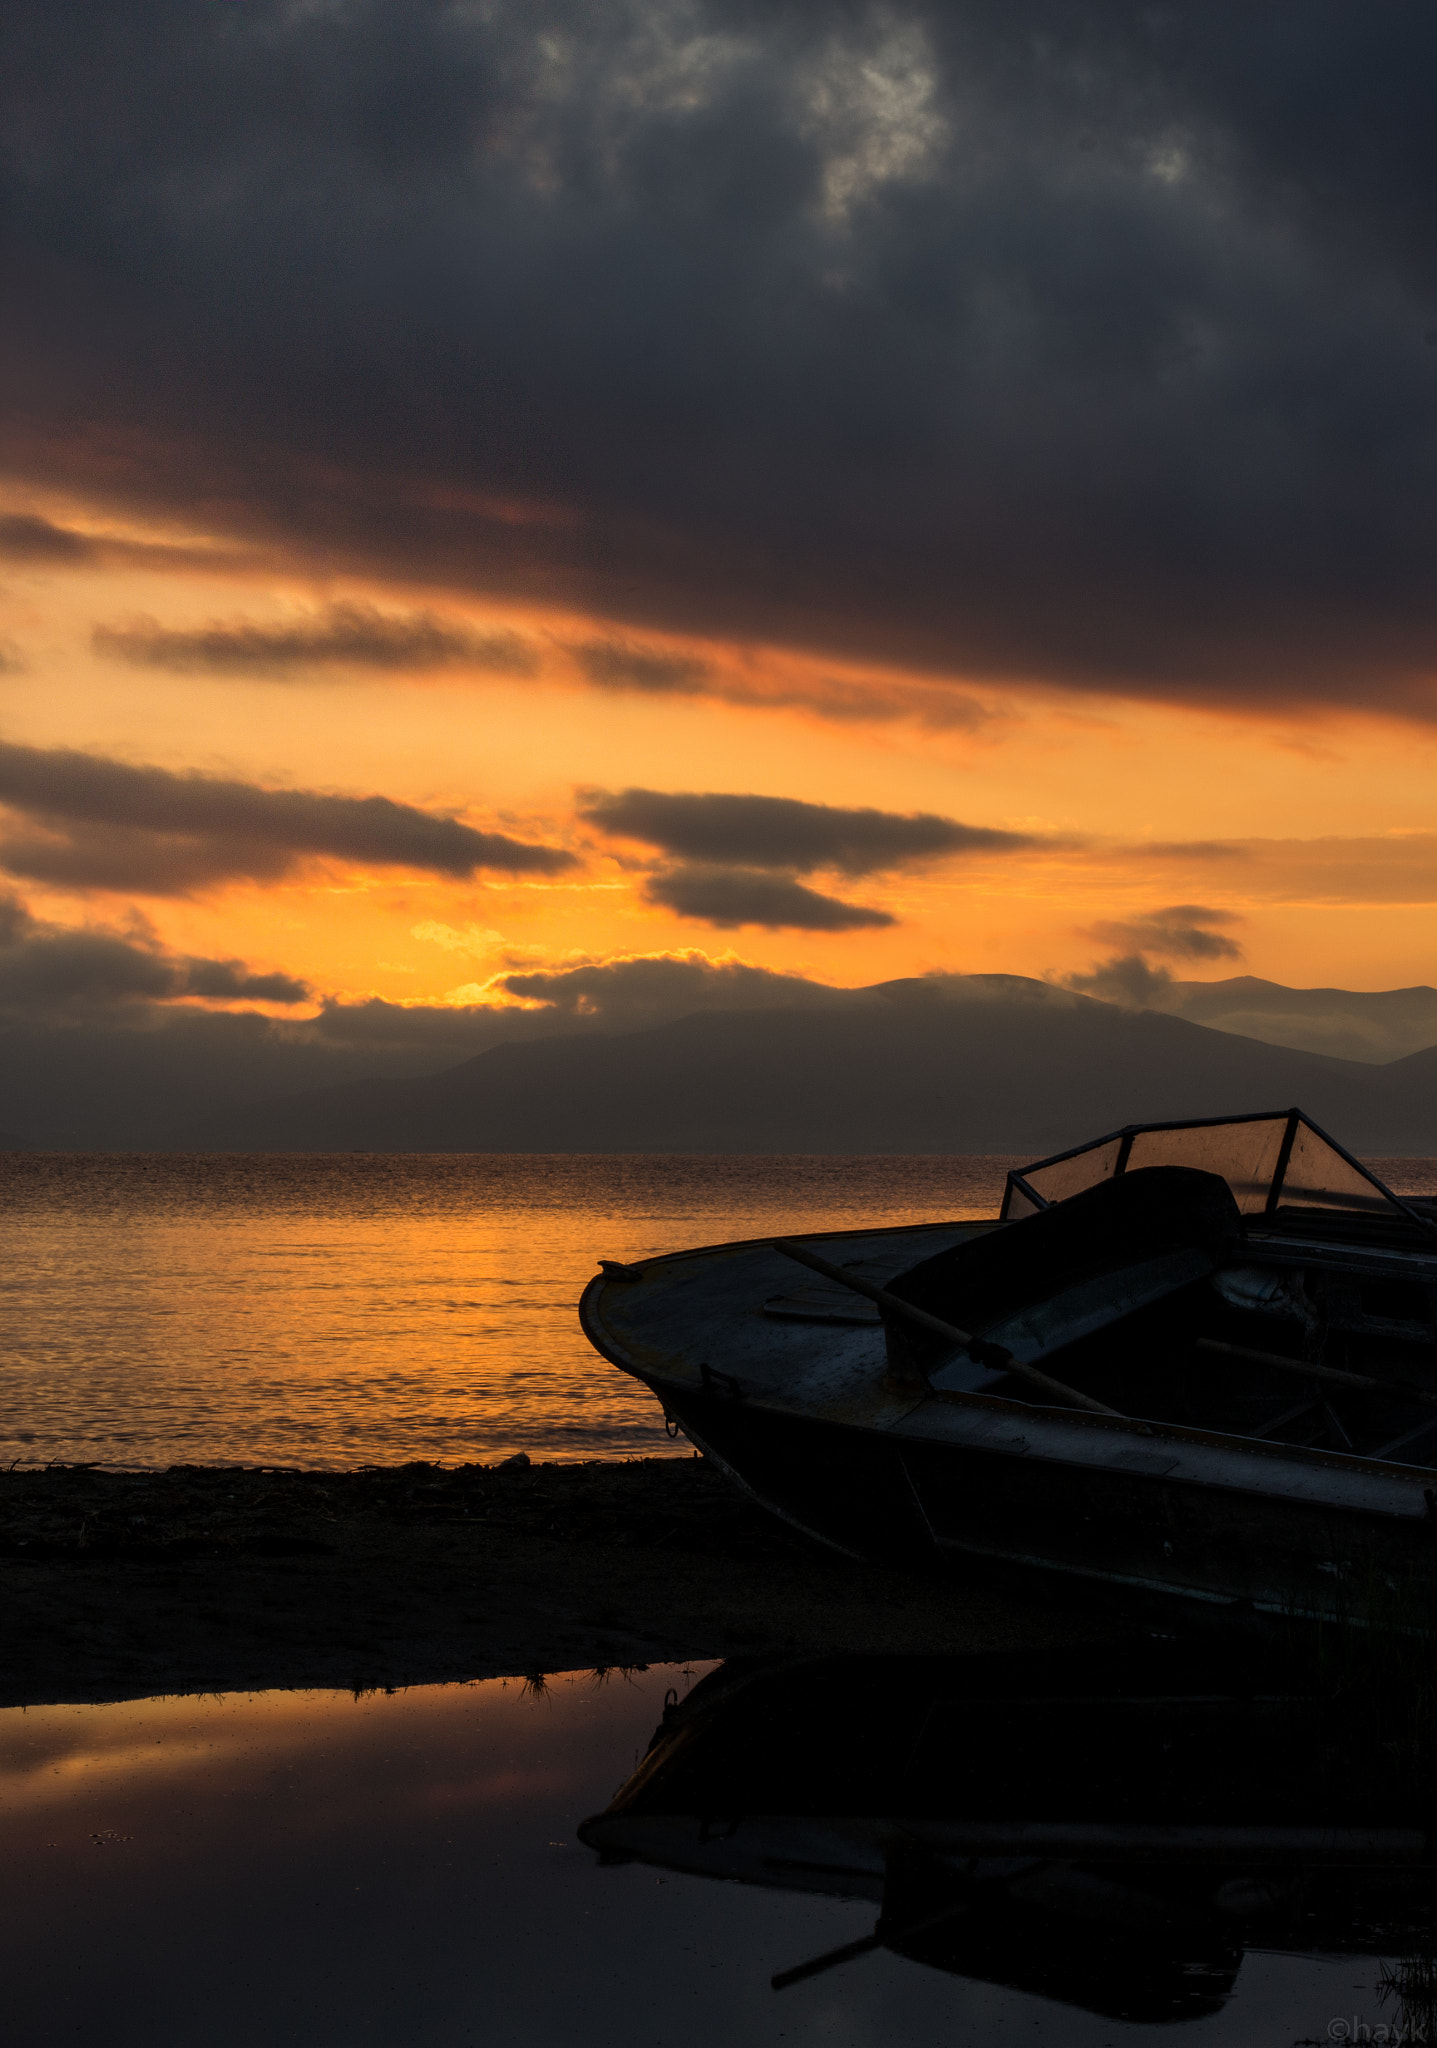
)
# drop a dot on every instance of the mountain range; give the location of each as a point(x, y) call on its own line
point(666, 1055)
point(1003, 1066)
point(1354, 1024)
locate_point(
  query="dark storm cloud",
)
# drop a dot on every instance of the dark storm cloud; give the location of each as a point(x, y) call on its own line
point(781, 832)
point(1002, 337)
point(342, 635)
point(50, 969)
point(91, 823)
point(730, 897)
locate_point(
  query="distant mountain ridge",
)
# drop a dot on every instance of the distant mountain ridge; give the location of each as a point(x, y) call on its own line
point(370, 1073)
point(1357, 1024)
point(1012, 1066)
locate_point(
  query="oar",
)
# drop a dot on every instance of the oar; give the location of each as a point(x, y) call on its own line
point(993, 1354)
point(829, 1960)
point(1397, 1390)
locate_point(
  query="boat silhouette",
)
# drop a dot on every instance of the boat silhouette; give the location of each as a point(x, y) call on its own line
point(1192, 1361)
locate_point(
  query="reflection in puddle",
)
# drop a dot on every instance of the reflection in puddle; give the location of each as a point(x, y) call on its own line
point(1113, 1835)
point(1051, 1855)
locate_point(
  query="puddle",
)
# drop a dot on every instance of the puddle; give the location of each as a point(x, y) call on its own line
point(409, 1868)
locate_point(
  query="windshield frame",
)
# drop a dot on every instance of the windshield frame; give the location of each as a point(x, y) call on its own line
point(1294, 1120)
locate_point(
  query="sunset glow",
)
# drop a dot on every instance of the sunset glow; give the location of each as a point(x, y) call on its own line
point(1309, 832)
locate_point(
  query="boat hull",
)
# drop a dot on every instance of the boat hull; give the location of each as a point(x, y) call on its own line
point(1180, 1515)
point(900, 1499)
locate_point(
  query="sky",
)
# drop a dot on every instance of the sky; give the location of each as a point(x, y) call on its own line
point(500, 503)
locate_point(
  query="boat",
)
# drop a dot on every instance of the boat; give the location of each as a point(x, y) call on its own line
point(1193, 1361)
point(1111, 1828)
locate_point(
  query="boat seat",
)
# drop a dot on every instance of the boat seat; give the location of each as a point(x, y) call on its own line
point(1047, 1280)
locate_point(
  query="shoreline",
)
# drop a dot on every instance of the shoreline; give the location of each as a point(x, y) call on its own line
point(126, 1585)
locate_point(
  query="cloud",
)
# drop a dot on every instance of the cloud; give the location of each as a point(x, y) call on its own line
point(621, 993)
point(346, 635)
point(475, 939)
point(1188, 849)
point(1079, 345)
point(1399, 867)
point(759, 684)
point(30, 539)
point(1179, 933)
point(24, 537)
point(639, 988)
point(372, 1026)
point(48, 969)
point(729, 897)
point(781, 832)
point(1371, 1025)
point(1127, 979)
point(737, 857)
point(93, 823)
point(354, 635)
point(617, 665)
point(226, 980)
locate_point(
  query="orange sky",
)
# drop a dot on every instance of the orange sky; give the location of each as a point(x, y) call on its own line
point(1315, 833)
point(1004, 422)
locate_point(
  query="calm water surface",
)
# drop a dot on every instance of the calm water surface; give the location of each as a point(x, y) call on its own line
point(312, 1868)
point(345, 1309)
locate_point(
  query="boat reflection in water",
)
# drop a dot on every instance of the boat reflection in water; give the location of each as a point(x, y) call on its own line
point(1109, 1830)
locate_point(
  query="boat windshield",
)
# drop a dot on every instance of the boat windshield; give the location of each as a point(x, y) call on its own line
point(1279, 1161)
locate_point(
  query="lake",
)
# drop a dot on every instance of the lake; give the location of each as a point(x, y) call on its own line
point(336, 1310)
point(344, 1309)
